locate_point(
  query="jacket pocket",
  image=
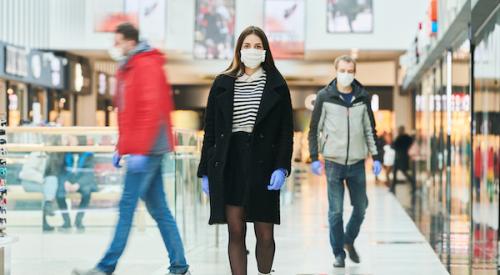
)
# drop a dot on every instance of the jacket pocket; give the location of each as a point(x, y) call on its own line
point(334, 148)
point(322, 143)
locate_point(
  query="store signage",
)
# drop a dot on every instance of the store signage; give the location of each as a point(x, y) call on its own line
point(16, 61)
point(309, 102)
point(102, 84)
point(36, 66)
point(459, 103)
point(80, 75)
point(32, 66)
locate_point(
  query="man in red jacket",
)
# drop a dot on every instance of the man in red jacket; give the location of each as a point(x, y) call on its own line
point(144, 104)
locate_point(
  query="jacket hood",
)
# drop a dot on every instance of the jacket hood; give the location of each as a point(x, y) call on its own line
point(358, 89)
point(143, 49)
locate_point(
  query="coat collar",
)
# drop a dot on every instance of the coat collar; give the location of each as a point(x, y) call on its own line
point(358, 90)
point(269, 97)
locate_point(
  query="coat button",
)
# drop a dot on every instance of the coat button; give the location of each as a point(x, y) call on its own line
point(221, 135)
point(217, 164)
point(261, 135)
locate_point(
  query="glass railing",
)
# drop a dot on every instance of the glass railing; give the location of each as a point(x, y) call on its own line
point(38, 159)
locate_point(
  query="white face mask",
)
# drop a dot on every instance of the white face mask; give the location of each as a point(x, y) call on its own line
point(116, 53)
point(252, 58)
point(345, 79)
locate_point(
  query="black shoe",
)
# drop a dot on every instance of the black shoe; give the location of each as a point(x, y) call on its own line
point(339, 262)
point(353, 255)
point(47, 228)
point(48, 209)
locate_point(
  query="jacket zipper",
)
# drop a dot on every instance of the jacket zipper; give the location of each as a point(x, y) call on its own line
point(348, 135)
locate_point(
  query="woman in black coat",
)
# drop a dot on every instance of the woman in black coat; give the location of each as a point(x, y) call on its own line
point(247, 148)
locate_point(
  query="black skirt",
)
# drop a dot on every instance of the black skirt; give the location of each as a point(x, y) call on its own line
point(237, 168)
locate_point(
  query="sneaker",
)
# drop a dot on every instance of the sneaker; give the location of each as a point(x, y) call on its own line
point(353, 255)
point(80, 228)
point(339, 262)
point(93, 271)
point(187, 273)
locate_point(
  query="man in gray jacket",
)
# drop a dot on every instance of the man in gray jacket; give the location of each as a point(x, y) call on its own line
point(343, 130)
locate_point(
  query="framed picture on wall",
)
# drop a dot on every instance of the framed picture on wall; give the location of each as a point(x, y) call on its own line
point(284, 23)
point(349, 16)
point(214, 29)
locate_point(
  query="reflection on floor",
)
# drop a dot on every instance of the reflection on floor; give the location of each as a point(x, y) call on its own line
point(389, 243)
point(452, 248)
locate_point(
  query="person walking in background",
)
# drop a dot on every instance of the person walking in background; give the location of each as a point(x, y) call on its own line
point(144, 104)
point(381, 142)
point(343, 129)
point(247, 149)
point(401, 145)
point(389, 157)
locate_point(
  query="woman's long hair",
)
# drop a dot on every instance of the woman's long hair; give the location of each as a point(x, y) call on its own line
point(237, 66)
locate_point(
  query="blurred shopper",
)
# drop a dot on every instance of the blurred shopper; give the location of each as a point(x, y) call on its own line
point(381, 142)
point(40, 174)
point(77, 176)
point(144, 104)
point(389, 157)
point(401, 145)
point(247, 149)
point(343, 130)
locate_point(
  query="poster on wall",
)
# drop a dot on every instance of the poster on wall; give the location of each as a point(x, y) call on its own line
point(111, 13)
point(350, 16)
point(284, 24)
point(214, 29)
point(152, 21)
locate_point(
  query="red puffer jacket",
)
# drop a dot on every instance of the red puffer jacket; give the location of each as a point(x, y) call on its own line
point(144, 102)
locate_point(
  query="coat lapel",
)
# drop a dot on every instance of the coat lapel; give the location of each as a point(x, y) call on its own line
point(269, 97)
point(225, 100)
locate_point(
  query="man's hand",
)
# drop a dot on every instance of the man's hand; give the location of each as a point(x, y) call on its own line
point(317, 167)
point(377, 167)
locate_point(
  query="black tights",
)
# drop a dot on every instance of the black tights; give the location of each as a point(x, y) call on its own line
point(264, 250)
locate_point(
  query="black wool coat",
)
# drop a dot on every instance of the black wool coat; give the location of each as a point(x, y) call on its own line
point(271, 147)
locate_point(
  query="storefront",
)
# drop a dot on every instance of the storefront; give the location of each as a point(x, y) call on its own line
point(26, 77)
point(105, 114)
point(458, 139)
point(486, 144)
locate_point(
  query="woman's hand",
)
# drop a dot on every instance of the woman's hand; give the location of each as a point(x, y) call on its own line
point(278, 179)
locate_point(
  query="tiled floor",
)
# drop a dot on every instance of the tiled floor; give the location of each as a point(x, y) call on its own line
point(389, 243)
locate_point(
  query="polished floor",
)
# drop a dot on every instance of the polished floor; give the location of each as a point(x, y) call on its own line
point(389, 242)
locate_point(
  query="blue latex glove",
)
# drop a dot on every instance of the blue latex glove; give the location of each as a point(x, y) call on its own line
point(277, 179)
point(317, 168)
point(137, 163)
point(116, 160)
point(204, 185)
point(377, 167)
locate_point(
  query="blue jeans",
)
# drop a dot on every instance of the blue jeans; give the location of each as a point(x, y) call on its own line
point(354, 176)
point(148, 186)
point(48, 188)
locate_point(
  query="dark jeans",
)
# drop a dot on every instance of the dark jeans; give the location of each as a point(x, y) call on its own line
point(148, 186)
point(407, 176)
point(354, 178)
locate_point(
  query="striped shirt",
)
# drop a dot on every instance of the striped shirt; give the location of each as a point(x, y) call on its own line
point(247, 96)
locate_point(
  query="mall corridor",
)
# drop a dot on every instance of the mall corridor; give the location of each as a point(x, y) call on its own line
point(389, 242)
point(198, 124)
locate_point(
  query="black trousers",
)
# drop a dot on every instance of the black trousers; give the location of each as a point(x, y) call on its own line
point(407, 176)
